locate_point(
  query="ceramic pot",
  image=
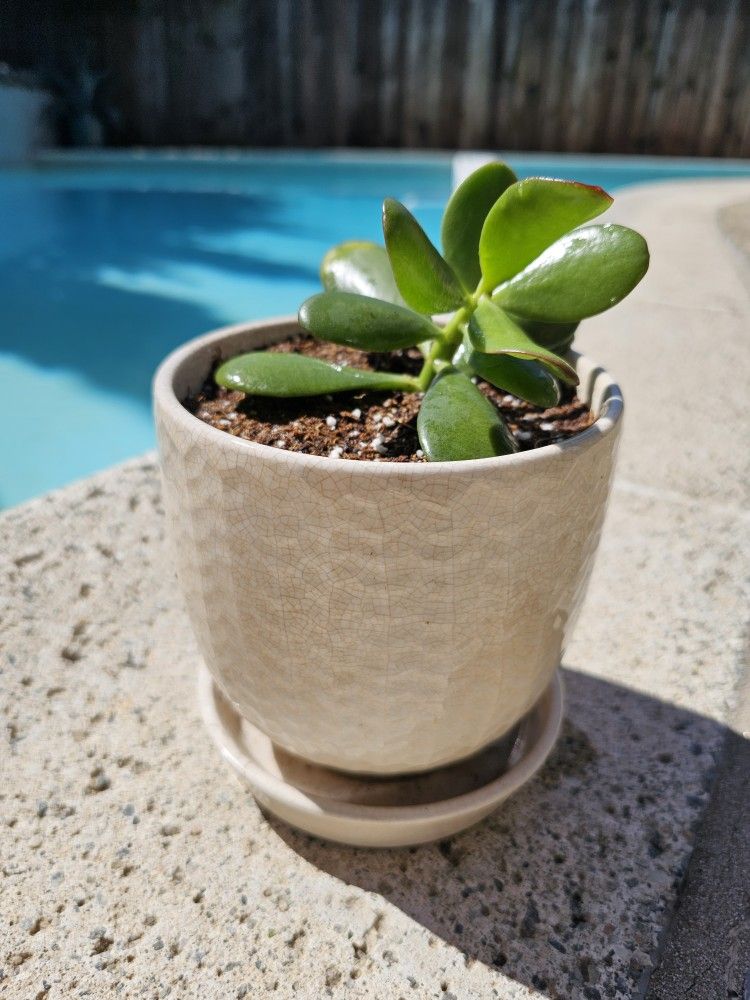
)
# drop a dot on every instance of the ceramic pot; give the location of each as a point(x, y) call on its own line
point(377, 617)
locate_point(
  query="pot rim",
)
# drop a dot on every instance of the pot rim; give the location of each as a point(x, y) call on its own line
point(165, 397)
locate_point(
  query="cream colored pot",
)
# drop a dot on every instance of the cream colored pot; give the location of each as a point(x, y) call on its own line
point(378, 617)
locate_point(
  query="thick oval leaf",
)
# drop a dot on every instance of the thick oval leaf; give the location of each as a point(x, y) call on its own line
point(492, 331)
point(530, 216)
point(261, 373)
point(582, 274)
point(461, 355)
point(362, 267)
point(464, 217)
point(424, 279)
point(526, 379)
point(363, 322)
point(556, 337)
point(457, 422)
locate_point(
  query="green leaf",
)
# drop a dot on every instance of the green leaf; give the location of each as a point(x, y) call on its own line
point(457, 422)
point(492, 331)
point(425, 280)
point(363, 322)
point(464, 217)
point(530, 216)
point(262, 373)
point(526, 379)
point(556, 337)
point(582, 274)
point(361, 267)
point(461, 354)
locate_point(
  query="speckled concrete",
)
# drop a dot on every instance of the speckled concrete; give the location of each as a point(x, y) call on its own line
point(133, 864)
point(683, 335)
point(706, 954)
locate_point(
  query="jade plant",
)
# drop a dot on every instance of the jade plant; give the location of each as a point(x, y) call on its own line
point(518, 272)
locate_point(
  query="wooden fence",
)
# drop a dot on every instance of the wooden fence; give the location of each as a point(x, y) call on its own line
point(656, 76)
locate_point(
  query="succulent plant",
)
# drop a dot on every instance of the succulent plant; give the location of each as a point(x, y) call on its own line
point(518, 272)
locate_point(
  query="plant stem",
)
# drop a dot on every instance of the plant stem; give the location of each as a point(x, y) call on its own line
point(448, 338)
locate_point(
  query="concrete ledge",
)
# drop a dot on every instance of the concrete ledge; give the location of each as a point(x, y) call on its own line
point(706, 953)
point(134, 864)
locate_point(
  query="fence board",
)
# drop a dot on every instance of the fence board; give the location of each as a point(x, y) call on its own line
point(658, 76)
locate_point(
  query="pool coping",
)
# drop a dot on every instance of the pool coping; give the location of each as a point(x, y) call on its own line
point(230, 154)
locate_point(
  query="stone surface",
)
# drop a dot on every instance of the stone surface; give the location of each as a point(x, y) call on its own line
point(734, 221)
point(132, 862)
point(707, 952)
point(680, 342)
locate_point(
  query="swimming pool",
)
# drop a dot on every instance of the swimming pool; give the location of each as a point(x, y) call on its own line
point(109, 261)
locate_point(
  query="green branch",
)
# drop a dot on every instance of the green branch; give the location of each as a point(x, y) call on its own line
point(448, 338)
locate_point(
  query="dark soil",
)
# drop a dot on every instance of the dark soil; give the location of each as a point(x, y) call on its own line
point(367, 426)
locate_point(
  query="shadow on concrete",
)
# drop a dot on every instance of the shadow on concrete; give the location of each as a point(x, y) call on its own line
point(567, 887)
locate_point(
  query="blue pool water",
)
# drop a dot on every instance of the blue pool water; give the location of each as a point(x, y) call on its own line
point(107, 263)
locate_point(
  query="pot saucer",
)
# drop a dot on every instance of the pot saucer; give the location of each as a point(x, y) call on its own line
point(381, 812)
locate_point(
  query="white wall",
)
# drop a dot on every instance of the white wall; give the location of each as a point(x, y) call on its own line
point(23, 124)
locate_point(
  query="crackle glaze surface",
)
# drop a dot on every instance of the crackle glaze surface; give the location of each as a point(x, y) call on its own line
point(378, 617)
